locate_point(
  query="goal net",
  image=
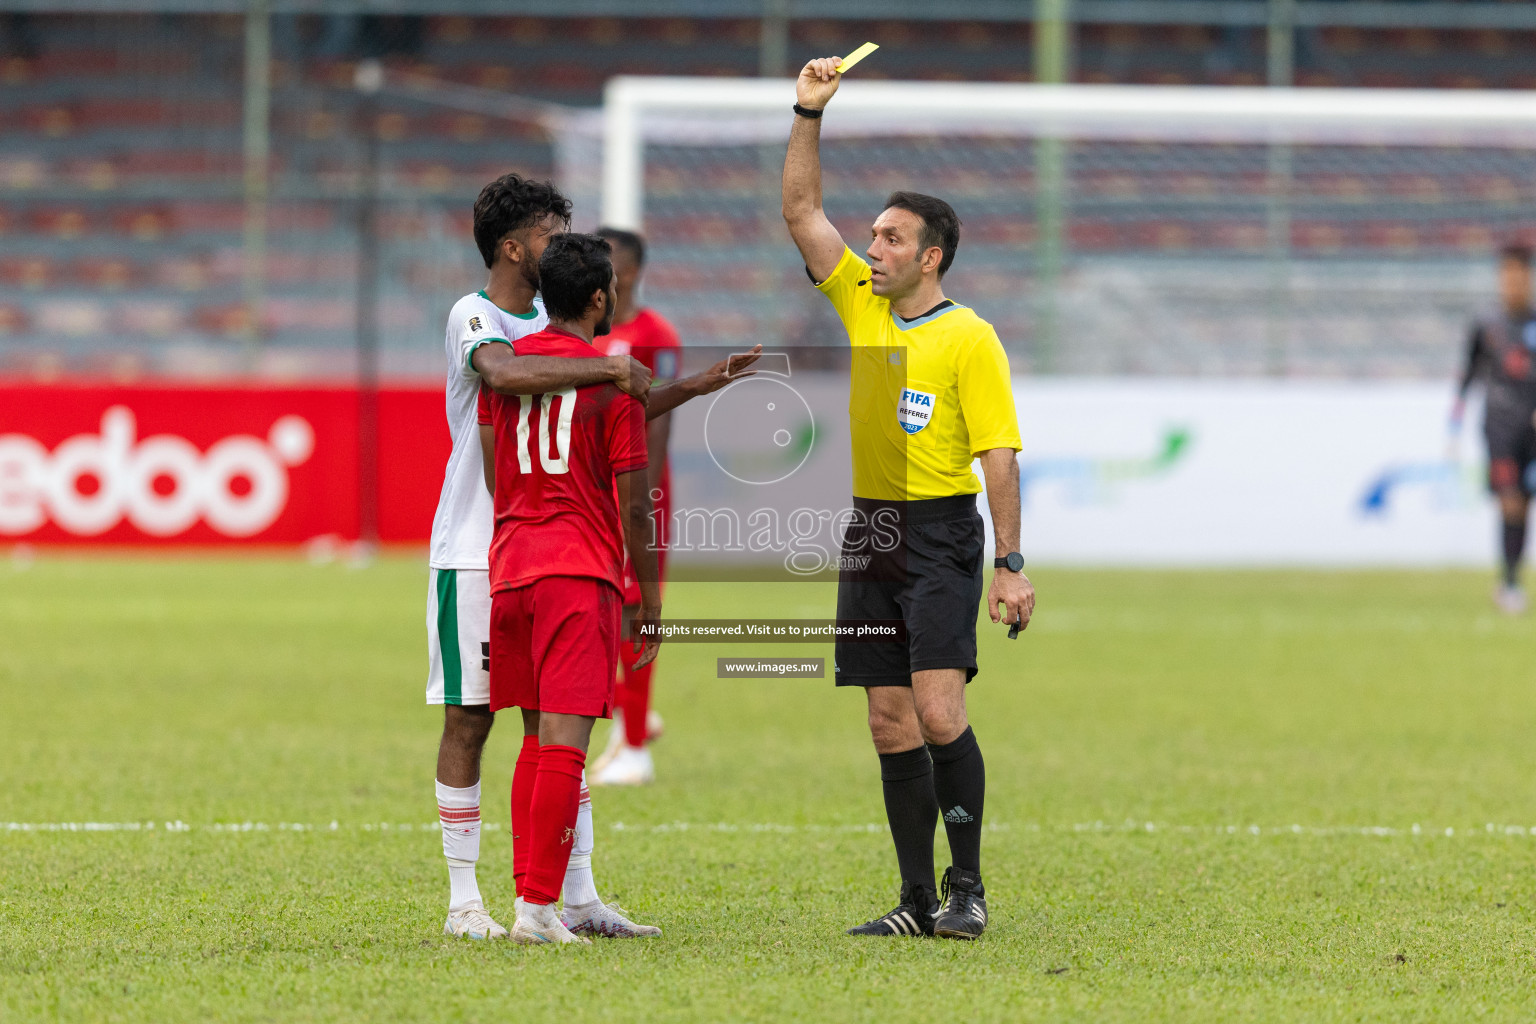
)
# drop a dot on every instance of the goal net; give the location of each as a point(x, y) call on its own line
point(1107, 229)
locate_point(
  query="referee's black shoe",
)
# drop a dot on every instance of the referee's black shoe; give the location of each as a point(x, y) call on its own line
point(913, 916)
point(964, 914)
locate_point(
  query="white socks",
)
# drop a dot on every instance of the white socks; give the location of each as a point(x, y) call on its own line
point(459, 812)
point(580, 889)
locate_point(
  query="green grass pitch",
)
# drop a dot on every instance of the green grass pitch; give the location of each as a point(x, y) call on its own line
point(1150, 743)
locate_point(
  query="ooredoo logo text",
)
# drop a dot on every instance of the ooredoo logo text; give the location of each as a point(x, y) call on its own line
point(162, 485)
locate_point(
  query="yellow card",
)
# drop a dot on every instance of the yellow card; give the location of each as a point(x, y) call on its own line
point(856, 56)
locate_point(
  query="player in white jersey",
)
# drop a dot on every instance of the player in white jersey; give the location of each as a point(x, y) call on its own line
point(514, 220)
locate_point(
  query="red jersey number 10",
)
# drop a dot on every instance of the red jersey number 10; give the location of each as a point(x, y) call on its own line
point(561, 461)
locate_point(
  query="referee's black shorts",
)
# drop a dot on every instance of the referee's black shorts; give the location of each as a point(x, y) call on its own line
point(930, 578)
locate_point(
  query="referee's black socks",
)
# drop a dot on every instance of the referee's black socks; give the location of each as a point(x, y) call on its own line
point(911, 809)
point(960, 783)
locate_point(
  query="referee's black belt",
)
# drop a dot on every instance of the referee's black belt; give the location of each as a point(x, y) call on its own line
point(922, 510)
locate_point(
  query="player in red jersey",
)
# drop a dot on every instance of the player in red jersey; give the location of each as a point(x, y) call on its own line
point(568, 472)
point(570, 490)
point(644, 334)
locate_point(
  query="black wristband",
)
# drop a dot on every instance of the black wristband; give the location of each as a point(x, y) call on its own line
point(807, 112)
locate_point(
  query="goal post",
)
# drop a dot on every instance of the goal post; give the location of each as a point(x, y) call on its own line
point(709, 110)
point(1201, 231)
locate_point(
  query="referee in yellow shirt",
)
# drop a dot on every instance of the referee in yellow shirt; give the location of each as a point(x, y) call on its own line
point(930, 392)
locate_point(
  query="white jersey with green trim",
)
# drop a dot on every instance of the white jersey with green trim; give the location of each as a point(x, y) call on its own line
point(462, 527)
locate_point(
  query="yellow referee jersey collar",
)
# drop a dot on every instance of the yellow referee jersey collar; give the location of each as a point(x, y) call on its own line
point(927, 318)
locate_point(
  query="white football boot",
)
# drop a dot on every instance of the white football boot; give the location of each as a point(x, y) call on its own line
point(1510, 599)
point(631, 766)
point(611, 748)
point(472, 921)
point(605, 919)
point(655, 725)
point(537, 924)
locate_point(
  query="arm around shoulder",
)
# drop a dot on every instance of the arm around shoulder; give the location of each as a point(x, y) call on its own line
point(507, 373)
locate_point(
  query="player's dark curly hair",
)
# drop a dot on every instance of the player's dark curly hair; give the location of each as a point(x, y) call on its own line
point(571, 269)
point(941, 226)
point(512, 203)
point(629, 241)
point(1517, 252)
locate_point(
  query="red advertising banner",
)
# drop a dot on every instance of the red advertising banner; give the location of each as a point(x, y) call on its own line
point(212, 465)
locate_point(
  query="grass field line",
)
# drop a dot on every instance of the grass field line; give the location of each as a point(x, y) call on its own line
point(1128, 827)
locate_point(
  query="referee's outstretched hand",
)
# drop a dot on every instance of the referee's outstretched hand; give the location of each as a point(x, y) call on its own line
point(817, 82)
point(1015, 593)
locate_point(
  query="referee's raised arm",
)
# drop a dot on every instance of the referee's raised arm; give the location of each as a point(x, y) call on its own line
point(819, 243)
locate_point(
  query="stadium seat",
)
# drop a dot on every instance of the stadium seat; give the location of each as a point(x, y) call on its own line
point(138, 143)
point(13, 319)
point(222, 319)
point(72, 317)
point(28, 272)
point(54, 121)
point(146, 224)
point(105, 274)
point(150, 318)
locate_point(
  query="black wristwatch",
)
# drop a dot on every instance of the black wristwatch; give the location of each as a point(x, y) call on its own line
point(1013, 562)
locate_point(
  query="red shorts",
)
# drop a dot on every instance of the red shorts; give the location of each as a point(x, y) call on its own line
point(555, 646)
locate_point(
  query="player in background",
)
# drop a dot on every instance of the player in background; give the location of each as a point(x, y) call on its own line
point(1501, 352)
point(514, 219)
point(915, 430)
point(646, 335)
point(568, 468)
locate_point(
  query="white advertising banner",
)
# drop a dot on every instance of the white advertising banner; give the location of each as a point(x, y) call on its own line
point(1115, 472)
point(1238, 473)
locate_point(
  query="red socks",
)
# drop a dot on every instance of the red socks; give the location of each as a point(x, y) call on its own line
point(523, 777)
point(634, 700)
point(556, 794)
